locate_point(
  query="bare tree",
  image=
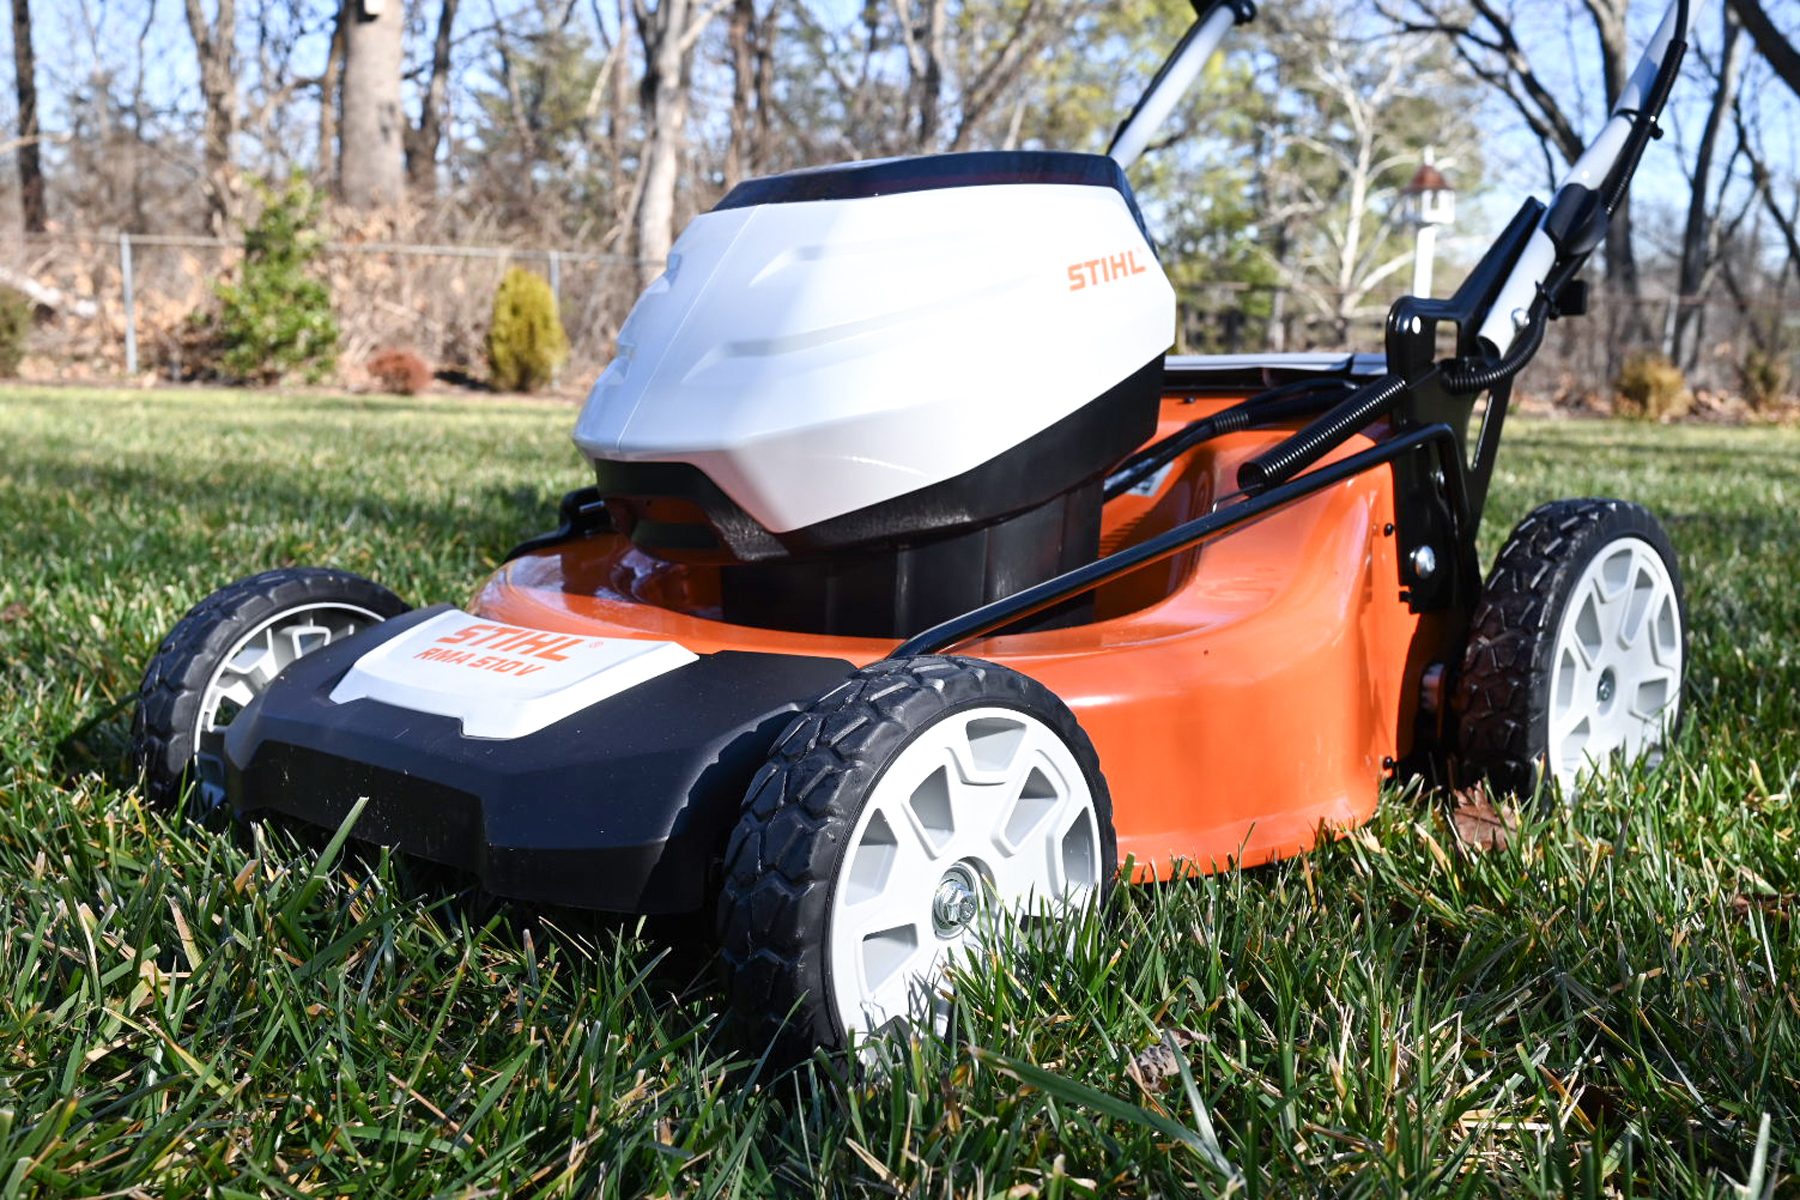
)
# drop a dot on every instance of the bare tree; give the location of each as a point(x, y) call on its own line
point(1484, 38)
point(31, 169)
point(749, 36)
point(1768, 188)
point(331, 83)
point(1338, 156)
point(1777, 47)
point(424, 138)
point(1700, 234)
point(215, 45)
point(371, 136)
point(994, 74)
point(669, 32)
point(923, 33)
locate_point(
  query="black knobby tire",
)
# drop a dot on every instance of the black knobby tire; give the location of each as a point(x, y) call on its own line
point(169, 699)
point(800, 810)
point(1502, 700)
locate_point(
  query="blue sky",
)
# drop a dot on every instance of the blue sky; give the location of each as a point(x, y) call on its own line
point(79, 35)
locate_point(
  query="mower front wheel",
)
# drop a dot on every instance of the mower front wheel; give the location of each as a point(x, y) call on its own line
point(224, 653)
point(1576, 651)
point(899, 819)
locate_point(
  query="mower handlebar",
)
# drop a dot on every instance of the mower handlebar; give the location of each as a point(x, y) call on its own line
point(1605, 168)
point(1177, 73)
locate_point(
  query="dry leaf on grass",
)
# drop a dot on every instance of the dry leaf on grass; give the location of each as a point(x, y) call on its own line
point(13, 612)
point(1154, 1066)
point(1780, 904)
point(1481, 825)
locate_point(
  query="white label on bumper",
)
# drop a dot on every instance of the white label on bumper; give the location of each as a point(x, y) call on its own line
point(502, 681)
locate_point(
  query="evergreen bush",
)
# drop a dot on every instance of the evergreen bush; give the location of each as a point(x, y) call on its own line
point(276, 319)
point(525, 343)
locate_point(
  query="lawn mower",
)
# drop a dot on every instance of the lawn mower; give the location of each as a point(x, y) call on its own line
point(919, 589)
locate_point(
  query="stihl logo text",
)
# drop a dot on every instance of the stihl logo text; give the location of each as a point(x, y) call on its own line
point(513, 640)
point(504, 649)
point(1096, 271)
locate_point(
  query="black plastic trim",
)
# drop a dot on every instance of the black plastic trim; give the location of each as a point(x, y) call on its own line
point(623, 807)
point(932, 172)
point(582, 513)
point(1007, 612)
point(1060, 458)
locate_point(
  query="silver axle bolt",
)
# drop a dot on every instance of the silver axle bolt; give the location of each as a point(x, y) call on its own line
point(955, 902)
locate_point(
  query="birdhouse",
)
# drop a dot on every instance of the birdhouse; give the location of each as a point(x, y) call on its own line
point(1429, 198)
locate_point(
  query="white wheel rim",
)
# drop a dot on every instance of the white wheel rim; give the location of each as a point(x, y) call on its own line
point(251, 666)
point(1615, 685)
point(988, 800)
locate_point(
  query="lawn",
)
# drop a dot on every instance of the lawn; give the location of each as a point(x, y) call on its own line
point(1607, 1005)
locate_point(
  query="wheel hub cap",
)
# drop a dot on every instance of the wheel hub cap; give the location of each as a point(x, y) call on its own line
point(252, 666)
point(1615, 684)
point(955, 903)
point(984, 819)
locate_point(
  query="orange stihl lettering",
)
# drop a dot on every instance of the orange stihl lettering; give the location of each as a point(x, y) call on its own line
point(1096, 271)
point(550, 651)
point(533, 643)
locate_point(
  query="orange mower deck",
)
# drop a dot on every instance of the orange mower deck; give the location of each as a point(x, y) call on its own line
point(1243, 696)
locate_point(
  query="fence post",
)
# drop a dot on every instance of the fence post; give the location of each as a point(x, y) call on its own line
point(556, 294)
point(131, 355)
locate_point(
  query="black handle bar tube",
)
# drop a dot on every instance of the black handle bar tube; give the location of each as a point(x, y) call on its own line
point(1000, 613)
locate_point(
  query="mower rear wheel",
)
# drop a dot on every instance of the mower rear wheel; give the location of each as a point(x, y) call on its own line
point(224, 653)
point(897, 822)
point(1576, 651)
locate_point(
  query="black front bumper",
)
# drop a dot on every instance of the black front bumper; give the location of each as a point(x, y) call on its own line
point(624, 806)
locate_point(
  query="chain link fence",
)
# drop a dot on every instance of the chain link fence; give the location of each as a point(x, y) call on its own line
point(1580, 359)
point(131, 301)
point(125, 305)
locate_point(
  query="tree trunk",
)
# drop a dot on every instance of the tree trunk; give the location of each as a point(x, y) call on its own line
point(331, 86)
point(669, 33)
point(424, 139)
point(924, 39)
point(740, 152)
point(1698, 241)
point(1776, 46)
point(215, 45)
point(1621, 252)
point(31, 169)
point(370, 141)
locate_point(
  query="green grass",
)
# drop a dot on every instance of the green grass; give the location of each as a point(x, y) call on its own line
point(1606, 1007)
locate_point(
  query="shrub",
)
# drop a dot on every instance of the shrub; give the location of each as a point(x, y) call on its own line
point(16, 313)
point(1765, 378)
point(276, 319)
point(1651, 387)
point(525, 342)
point(399, 371)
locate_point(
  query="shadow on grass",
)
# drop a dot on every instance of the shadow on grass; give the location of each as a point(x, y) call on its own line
point(685, 967)
point(502, 515)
